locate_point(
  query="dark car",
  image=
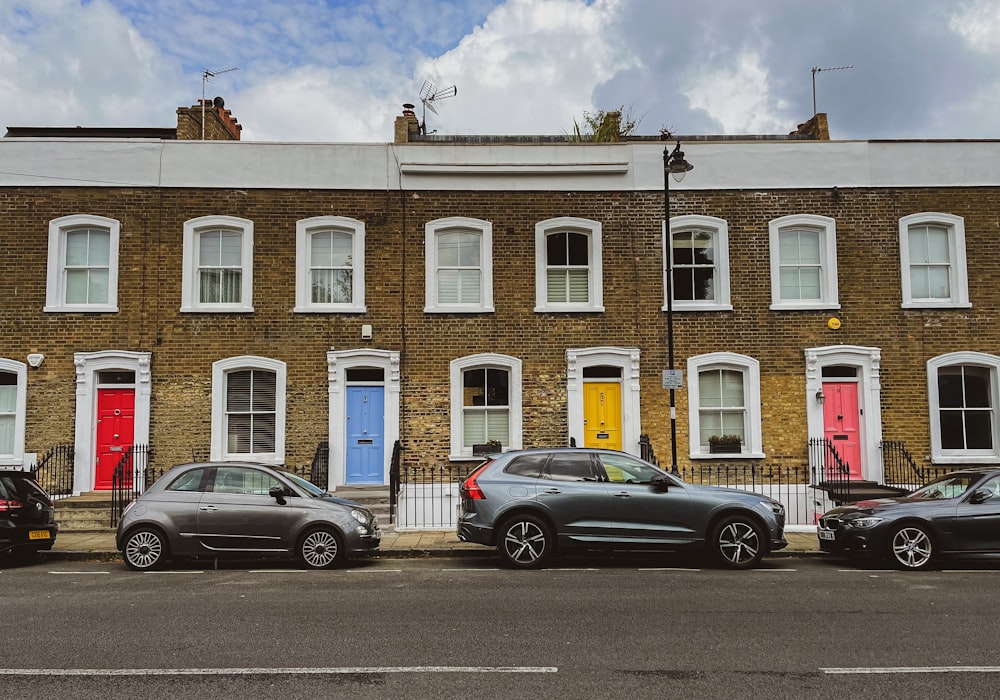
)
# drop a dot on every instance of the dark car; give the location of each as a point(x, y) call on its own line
point(27, 515)
point(956, 515)
point(242, 510)
point(531, 503)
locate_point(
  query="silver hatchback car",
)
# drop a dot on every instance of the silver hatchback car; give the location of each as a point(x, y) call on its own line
point(242, 510)
point(529, 503)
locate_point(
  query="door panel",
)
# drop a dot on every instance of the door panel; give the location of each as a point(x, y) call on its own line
point(842, 423)
point(365, 435)
point(239, 515)
point(602, 415)
point(115, 432)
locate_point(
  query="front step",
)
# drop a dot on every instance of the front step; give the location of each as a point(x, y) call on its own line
point(88, 512)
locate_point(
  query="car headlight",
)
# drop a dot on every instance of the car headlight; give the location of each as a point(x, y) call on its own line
point(360, 516)
point(863, 523)
point(775, 507)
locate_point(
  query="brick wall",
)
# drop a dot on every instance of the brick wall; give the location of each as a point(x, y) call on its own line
point(184, 345)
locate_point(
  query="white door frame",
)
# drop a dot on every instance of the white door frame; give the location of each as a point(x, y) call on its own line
point(88, 365)
point(337, 364)
point(868, 362)
point(627, 359)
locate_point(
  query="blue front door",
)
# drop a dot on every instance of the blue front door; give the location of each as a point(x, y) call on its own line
point(365, 431)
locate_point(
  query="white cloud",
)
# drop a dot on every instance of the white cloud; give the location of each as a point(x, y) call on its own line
point(738, 98)
point(979, 23)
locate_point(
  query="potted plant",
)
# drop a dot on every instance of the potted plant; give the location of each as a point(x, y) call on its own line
point(487, 448)
point(725, 444)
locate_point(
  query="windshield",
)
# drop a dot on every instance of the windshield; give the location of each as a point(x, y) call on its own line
point(312, 488)
point(951, 486)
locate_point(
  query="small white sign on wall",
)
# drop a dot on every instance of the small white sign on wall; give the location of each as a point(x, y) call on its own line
point(673, 379)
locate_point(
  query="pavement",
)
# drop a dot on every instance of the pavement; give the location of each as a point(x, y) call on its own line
point(100, 545)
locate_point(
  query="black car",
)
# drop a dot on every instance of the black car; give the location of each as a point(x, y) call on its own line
point(530, 503)
point(27, 515)
point(956, 515)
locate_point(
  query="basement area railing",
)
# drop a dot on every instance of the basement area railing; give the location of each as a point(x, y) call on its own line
point(54, 471)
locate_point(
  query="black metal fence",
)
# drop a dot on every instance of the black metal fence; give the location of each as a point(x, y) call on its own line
point(428, 497)
point(132, 476)
point(54, 471)
point(788, 485)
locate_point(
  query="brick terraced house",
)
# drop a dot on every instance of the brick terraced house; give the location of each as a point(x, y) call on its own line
point(214, 298)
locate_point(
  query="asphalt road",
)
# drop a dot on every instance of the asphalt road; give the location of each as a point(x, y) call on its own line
point(462, 628)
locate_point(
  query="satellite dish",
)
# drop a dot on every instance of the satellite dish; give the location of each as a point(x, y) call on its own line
point(429, 94)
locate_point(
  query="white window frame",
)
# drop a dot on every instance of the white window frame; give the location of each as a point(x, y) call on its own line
point(220, 443)
point(719, 228)
point(592, 229)
point(750, 368)
point(431, 231)
point(15, 458)
point(55, 286)
point(827, 229)
point(977, 359)
point(304, 229)
point(458, 452)
point(958, 276)
point(190, 287)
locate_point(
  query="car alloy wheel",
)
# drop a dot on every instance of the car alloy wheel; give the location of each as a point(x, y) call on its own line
point(911, 547)
point(525, 542)
point(320, 549)
point(737, 543)
point(145, 550)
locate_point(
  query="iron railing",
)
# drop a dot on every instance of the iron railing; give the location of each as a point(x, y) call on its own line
point(130, 478)
point(54, 471)
point(394, 477)
point(787, 484)
point(319, 469)
point(429, 496)
point(646, 449)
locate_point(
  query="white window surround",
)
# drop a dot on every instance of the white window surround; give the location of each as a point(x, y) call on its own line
point(977, 359)
point(219, 447)
point(338, 363)
point(89, 365)
point(592, 229)
point(958, 273)
point(750, 369)
point(720, 232)
point(55, 286)
point(827, 229)
point(431, 231)
point(458, 452)
point(303, 288)
point(627, 360)
point(189, 277)
point(16, 458)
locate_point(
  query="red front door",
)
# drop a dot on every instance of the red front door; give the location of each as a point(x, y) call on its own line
point(841, 423)
point(115, 430)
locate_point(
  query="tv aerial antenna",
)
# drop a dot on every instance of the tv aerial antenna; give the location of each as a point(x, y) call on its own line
point(429, 94)
point(207, 75)
point(816, 70)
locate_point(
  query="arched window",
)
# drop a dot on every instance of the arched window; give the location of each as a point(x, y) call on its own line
point(330, 265)
point(83, 264)
point(218, 265)
point(248, 409)
point(568, 265)
point(485, 403)
point(458, 256)
point(963, 397)
point(724, 399)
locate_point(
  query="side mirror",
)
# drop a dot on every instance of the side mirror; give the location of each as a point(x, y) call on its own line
point(980, 496)
point(278, 494)
point(660, 483)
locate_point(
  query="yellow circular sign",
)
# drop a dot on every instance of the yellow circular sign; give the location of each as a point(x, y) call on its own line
point(833, 324)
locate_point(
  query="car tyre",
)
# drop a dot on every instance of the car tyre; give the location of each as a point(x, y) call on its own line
point(911, 547)
point(737, 542)
point(526, 542)
point(321, 548)
point(145, 549)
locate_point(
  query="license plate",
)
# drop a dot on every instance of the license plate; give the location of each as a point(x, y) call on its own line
point(39, 535)
point(826, 534)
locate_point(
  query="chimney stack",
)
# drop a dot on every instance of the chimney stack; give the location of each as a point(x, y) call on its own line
point(407, 125)
point(219, 123)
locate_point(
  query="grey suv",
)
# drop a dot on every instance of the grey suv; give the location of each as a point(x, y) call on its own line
point(529, 503)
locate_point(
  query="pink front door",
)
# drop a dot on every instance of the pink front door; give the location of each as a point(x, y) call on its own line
point(115, 430)
point(841, 423)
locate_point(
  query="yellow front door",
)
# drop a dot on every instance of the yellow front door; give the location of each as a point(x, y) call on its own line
point(602, 415)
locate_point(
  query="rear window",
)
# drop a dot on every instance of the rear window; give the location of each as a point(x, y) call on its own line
point(189, 481)
point(527, 465)
point(19, 488)
point(570, 467)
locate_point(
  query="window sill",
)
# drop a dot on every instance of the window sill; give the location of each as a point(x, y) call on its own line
point(216, 309)
point(330, 309)
point(459, 309)
point(569, 309)
point(957, 458)
point(936, 305)
point(698, 307)
point(82, 309)
point(818, 306)
point(725, 456)
point(465, 458)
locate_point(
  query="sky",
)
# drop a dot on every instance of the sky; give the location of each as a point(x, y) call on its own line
point(340, 70)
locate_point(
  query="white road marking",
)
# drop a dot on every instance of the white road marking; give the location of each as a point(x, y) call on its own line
point(460, 569)
point(270, 671)
point(912, 669)
point(279, 571)
point(80, 573)
point(666, 568)
point(167, 573)
point(374, 571)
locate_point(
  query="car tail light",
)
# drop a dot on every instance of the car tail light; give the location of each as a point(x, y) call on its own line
point(470, 489)
point(8, 506)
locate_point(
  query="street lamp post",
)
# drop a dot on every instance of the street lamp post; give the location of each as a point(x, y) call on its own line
point(676, 166)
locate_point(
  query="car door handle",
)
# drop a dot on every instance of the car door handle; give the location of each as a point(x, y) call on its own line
point(623, 494)
point(211, 509)
point(552, 491)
